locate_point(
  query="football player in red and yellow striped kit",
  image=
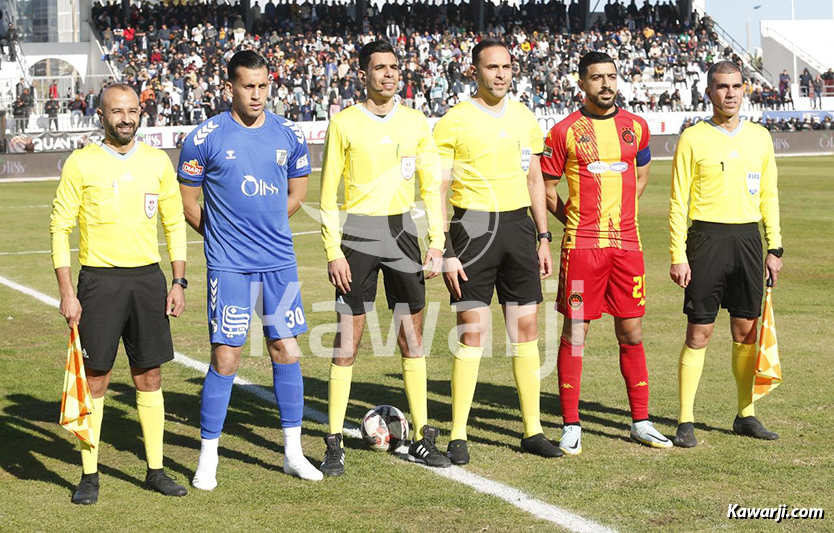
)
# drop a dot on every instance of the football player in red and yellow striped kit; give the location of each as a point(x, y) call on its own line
point(604, 154)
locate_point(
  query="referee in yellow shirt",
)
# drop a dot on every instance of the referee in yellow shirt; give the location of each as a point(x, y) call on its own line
point(489, 148)
point(115, 190)
point(724, 179)
point(378, 147)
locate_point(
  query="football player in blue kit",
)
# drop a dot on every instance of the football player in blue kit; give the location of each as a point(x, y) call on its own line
point(252, 169)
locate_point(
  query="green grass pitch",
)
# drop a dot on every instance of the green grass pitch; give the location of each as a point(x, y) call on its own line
point(615, 482)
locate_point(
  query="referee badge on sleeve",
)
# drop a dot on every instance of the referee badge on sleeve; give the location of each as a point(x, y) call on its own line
point(753, 181)
point(408, 165)
point(151, 204)
point(526, 155)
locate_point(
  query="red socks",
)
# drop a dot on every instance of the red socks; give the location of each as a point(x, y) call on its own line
point(570, 377)
point(636, 376)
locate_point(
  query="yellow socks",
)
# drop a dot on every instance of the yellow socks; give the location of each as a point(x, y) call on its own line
point(744, 360)
point(414, 378)
point(151, 409)
point(689, 374)
point(338, 394)
point(525, 371)
point(89, 455)
point(464, 380)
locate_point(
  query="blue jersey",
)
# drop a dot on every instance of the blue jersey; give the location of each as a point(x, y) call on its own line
point(244, 173)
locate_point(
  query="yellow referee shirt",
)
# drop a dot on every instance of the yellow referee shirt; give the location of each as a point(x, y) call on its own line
point(725, 177)
point(115, 199)
point(489, 154)
point(378, 157)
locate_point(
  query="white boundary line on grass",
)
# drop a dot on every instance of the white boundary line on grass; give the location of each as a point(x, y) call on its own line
point(539, 509)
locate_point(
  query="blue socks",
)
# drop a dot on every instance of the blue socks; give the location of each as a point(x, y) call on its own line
point(214, 402)
point(289, 393)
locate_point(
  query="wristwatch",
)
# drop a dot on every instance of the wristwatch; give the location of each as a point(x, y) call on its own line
point(182, 282)
point(546, 235)
point(776, 252)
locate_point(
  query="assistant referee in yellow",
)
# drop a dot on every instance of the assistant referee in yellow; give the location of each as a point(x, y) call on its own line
point(117, 190)
point(724, 179)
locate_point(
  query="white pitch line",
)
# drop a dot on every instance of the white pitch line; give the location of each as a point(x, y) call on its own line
point(26, 180)
point(24, 206)
point(34, 252)
point(539, 509)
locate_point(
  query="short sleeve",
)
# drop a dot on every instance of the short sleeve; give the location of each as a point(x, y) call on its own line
point(191, 169)
point(445, 136)
point(644, 151)
point(536, 135)
point(555, 153)
point(298, 164)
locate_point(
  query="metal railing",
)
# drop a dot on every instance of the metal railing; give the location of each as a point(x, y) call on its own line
point(813, 62)
point(746, 57)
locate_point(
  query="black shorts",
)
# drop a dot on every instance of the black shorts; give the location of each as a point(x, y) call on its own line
point(497, 252)
point(388, 244)
point(727, 270)
point(126, 303)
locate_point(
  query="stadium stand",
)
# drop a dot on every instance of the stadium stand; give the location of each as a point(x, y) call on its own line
point(175, 57)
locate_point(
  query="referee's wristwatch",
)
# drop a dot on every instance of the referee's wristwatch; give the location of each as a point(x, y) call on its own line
point(776, 252)
point(546, 235)
point(182, 282)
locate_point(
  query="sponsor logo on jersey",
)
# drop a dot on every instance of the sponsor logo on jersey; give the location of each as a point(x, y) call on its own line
point(598, 167)
point(408, 165)
point(281, 157)
point(526, 155)
point(584, 138)
point(251, 186)
point(234, 321)
point(192, 168)
point(230, 154)
point(628, 136)
point(575, 299)
point(548, 151)
point(204, 132)
point(754, 179)
point(619, 166)
point(151, 204)
point(302, 162)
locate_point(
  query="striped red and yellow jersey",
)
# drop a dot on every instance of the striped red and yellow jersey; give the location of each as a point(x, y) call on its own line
point(599, 157)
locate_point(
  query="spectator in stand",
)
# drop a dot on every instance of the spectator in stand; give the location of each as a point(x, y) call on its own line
point(805, 80)
point(90, 105)
point(52, 107)
point(816, 89)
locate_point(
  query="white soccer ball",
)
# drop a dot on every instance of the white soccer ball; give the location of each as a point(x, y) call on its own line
point(384, 428)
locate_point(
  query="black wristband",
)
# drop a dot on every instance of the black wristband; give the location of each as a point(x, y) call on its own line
point(448, 250)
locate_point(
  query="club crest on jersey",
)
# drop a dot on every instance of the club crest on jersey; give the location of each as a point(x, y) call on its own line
point(192, 168)
point(281, 157)
point(584, 138)
point(151, 204)
point(408, 165)
point(754, 179)
point(628, 136)
point(526, 155)
point(575, 299)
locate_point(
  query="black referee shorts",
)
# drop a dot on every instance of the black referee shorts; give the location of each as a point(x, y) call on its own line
point(727, 271)
point(388, 244)
point(127, 304)
point(498, 253)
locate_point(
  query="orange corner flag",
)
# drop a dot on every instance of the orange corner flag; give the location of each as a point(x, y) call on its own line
point(768, 373)
point(76, 401)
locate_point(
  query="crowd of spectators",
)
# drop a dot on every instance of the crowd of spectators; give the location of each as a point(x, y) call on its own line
point(175, 55)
